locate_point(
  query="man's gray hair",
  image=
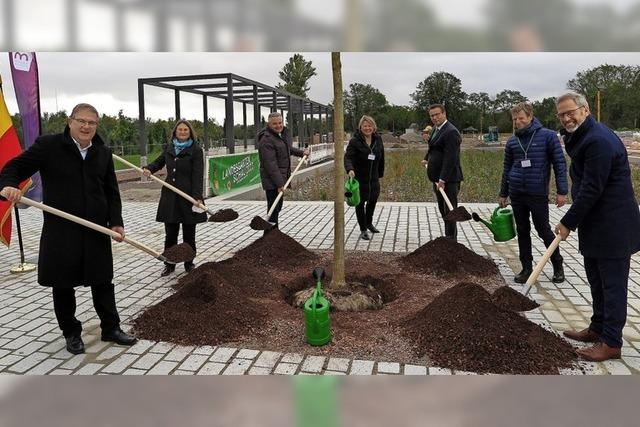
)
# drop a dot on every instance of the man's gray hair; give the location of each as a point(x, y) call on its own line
point(576, 97)
point(274, 115)
point(84, 106)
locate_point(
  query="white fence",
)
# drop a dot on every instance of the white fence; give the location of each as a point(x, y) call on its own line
point(320, 152)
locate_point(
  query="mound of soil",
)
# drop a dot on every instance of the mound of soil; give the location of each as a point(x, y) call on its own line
point(443, 256)
point(463, 329)
point(224, 215)
point(510, 299)
point(206, 310)
point(274, 249)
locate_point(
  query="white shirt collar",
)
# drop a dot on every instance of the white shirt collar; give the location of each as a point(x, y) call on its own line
point(83, 151)
point(442, 125)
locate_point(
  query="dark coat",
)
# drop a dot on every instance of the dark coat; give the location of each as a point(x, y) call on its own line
point(543, 150)
point(275, 153)
point(71, 254)
point(368, 172)
point(604, 208)
point(443, 155)
point(185, 172)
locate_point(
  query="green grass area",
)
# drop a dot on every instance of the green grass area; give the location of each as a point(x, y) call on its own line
point(405, 179)
point(135, 159)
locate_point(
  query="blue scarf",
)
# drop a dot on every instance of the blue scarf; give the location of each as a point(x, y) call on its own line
point(179, 146)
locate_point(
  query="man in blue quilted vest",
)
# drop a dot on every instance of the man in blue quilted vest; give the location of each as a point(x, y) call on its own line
point(528, 157)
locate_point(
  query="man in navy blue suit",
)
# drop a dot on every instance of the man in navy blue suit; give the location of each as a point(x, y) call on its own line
point(605, 212)
point(443, 163)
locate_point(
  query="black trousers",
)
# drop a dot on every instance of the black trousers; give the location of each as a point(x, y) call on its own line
point(608, 279)
point(364, 213)
point(538, 207)
point(104, 302)
point(271, 197)
point(451, 189)
point(188, 236)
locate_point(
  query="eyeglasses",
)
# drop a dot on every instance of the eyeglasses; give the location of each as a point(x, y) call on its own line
point(84, 122)
point(570, 114)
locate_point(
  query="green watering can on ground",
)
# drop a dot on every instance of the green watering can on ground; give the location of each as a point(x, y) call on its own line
point(317, 324)
point(501, 224)
point(352, 191)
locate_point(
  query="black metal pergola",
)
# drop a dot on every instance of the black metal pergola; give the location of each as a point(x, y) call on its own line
point(233, 88)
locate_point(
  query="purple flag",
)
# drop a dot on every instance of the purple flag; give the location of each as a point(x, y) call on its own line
point(24, 71)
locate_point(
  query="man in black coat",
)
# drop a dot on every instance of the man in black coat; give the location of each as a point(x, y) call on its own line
point(443, 163)
point(605, 212)
point(274, 151)
point(78, 177)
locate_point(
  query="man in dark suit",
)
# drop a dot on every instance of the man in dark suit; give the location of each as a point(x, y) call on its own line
point(443, 163)
point(605, 212)
point(78, 177)
point(275, 151)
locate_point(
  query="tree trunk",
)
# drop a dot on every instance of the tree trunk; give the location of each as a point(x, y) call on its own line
point(338, 204)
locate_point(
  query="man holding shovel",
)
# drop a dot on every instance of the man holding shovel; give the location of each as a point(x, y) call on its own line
point(275, 150)
point(78, 177)
point(605, 212)
point(443, 164)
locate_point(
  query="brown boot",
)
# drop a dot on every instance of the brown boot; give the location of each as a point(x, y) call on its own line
point(599, 352)
point(585, 335)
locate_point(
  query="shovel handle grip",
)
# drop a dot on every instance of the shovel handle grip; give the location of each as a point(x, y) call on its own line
point(540, 265)
point(446, 198)
point(166, 184)
point(286, 184)
point(91, 225)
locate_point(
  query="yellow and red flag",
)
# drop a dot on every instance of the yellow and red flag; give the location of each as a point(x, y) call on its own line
point(9, 148)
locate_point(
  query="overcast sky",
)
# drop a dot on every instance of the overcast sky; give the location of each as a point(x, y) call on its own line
point(109, 80)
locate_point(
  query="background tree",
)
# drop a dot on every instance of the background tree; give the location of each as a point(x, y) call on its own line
point(363, 99)
point(338, 279)
point(295, 74)
point(478, 106)
point(439, 88)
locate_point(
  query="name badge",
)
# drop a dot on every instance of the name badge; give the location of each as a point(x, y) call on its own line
point(526, 163)
point(371, 157)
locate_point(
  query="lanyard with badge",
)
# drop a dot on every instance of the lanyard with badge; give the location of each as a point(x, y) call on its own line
point(526, 163)
point(371, 156)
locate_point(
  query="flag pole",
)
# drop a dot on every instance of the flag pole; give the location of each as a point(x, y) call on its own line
point(23, 267)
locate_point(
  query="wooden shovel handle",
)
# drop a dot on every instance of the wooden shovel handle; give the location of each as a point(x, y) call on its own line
point(538, 269)
point(166, 184)
point(89, 224)
point(286, 184)
point(446, 198)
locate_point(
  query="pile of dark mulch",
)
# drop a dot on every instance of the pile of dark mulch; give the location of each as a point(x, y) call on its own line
point(459, 214)
point(224, 215)
point(445, 257)
point(510, 299)
point(463, 329)
point(179, 253)
point(206, 310)
point(274, 249)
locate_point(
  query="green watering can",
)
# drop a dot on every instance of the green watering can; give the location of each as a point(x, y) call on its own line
point(317, 324)
point(352, 191)
point(501, 224)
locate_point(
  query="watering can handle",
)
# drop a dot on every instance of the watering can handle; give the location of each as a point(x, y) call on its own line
point(540, 265)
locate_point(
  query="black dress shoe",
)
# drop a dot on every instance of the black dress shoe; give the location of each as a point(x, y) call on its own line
point(372, 229)
point(188, 266)
point(364, 235)
point(523, 275)
point(75, 344)
point(168, 269)
point(119, 337)
point(558, 274)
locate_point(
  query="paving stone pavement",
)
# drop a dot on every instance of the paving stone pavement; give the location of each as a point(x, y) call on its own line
point(30, 342)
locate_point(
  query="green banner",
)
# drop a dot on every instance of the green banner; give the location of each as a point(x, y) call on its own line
point(233, 171)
